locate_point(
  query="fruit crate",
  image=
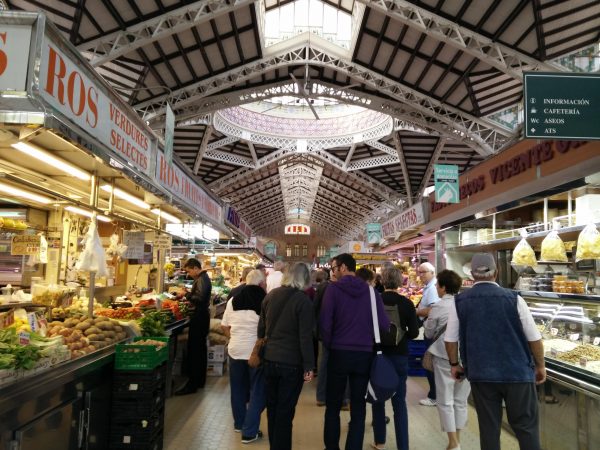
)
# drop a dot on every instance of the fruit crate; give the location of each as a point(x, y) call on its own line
point(141, 405)
point(141, 357)
point(156, 443)
point(136, 432)
point(137, 381)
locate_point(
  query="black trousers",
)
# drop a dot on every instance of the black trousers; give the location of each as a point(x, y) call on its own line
point(197, 349)
point(521, 410)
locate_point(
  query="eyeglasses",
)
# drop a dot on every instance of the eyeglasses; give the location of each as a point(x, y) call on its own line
point(334, 267)
point(424, 271)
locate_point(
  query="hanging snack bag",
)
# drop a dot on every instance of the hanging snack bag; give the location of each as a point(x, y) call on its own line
point(523, 255)
point(588, 243)
point(553, 248)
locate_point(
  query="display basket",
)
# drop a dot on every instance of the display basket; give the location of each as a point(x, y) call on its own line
point(136, 432)
point(126, 407)
point(141, 357)
point(134, 382)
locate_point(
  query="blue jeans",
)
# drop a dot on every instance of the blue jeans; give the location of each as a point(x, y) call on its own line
point(398, 404)
point(354, 367)
point(247, 396)
point(283, 386)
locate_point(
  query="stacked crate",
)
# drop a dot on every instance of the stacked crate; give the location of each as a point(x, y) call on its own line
point(416, 349)
point(138, 400)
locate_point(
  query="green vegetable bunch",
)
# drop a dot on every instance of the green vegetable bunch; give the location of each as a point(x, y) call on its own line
point(153, 323)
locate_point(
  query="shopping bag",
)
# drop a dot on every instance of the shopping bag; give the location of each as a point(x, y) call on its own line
point(427, 361)
point(383, 380)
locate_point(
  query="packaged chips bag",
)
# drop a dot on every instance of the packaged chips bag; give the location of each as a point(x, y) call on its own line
point(588, 243)
point(523, 255)
point(553, 248)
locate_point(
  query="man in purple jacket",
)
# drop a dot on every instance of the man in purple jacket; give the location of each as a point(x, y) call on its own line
point(346, 327)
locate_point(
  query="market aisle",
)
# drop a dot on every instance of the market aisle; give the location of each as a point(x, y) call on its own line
point(203, 422)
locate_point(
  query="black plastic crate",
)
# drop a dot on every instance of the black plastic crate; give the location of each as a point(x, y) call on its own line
point(140, 430)
point(156, 443)
point(139, 382)
point(416, 348)
point(143, 405)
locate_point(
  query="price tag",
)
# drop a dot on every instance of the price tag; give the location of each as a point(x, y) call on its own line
point(574, 336)
point(583, 362)
point(33, 323)
point(553, 352)
point(24, 337)
point(597, 340)
point(553, 331)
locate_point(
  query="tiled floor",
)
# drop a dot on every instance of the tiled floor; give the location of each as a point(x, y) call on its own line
point(203, 422)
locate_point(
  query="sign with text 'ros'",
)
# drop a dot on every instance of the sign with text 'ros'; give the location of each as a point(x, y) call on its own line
point(562, 105)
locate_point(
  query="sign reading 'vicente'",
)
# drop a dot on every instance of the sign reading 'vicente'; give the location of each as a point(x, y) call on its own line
point(64, 86)
point(184, 188)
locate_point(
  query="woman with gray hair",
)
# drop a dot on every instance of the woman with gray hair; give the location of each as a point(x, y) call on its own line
point(286, 323)
point(399, 309)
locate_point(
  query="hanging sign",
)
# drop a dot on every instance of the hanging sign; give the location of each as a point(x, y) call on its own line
point(25, 244)
point(67, 88)
point(408, 219)
point(186, 189)
point(163, 242)
point(297, 228)
point(562, 105)
point(134, 240)
point(14, 55)
point(233, 219)
point(446, 183)
point(373, 233)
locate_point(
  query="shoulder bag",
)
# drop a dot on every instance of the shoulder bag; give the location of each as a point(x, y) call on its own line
point(383, 379)
point(427, 361)
point(258, 352)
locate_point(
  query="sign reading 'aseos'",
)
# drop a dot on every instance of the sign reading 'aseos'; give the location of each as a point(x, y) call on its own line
point(64, 85)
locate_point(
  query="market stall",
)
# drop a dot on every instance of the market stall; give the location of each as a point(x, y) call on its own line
point(86, 193)
point(545, 239)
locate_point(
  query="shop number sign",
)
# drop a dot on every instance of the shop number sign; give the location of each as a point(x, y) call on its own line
point(25, 245)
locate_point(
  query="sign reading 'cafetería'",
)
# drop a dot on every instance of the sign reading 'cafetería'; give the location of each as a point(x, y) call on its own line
point(297, 228)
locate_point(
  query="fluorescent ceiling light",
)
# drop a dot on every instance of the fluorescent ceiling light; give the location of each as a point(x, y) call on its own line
point(24, 194)
point(53, 161)
point(166, 216)
point(86, 213)
point(17, 214)
point(126, 196)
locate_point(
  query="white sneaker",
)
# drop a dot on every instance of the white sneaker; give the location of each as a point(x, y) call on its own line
point(427, 402)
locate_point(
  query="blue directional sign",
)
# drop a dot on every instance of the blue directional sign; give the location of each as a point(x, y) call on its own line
point(446, 183)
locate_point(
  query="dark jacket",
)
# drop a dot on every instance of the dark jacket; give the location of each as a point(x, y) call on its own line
point(249, 298)
point(199, 296)
point(408, 321)
point(346, 321)
point(235, 291)
point(493, 346)
point(289, 340)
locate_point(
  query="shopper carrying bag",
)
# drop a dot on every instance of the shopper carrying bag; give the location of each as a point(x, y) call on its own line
point(383, 380)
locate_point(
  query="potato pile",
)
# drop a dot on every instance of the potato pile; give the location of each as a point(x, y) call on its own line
point(84, 335)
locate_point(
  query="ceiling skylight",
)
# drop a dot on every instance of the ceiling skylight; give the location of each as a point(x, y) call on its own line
point(301, 16)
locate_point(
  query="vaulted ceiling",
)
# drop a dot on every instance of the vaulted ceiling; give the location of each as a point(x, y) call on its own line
point(449, 73)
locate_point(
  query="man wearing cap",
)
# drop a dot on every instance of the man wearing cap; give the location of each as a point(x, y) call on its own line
point(501, 354)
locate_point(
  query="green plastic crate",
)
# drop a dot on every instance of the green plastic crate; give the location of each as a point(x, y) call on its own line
point(141, 357)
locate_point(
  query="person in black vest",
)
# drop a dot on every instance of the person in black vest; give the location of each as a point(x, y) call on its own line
point(199, 297)
point(501, 354)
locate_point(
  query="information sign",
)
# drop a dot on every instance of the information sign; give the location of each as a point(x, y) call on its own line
point(562, 105)
point(446, 183)
point(162, 242)
point(373, 233)
point(26, 244)
point(169, 133)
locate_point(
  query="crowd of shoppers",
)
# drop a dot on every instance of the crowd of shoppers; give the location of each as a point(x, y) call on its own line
point(467, 355)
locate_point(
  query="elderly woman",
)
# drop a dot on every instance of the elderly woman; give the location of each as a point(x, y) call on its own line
point(240, 321)
point(398, 354)
point(451, 394)
point(287, 322)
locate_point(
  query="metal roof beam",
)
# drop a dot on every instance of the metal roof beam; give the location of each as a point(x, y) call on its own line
point(434, 157)
point(479, 131)
point(205, 138)
point(222, 142)
point(381, 146)
point(376, 161)
point(229, 158)
point(111, 46)
point(404, 167)
point(501, 57)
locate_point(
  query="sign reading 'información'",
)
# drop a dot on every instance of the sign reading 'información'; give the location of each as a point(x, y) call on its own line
point(563, 106)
